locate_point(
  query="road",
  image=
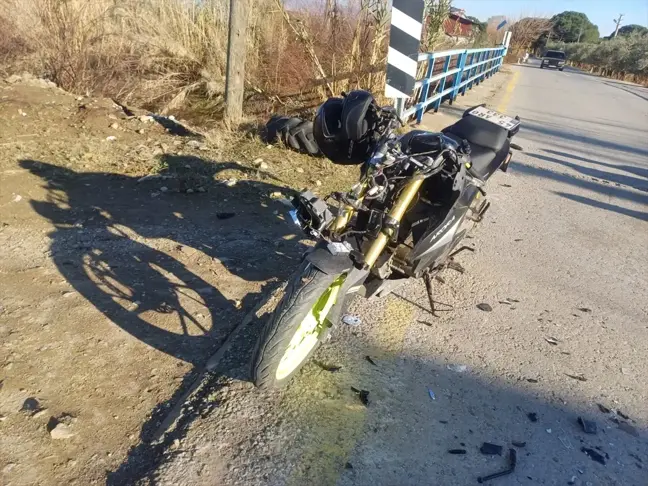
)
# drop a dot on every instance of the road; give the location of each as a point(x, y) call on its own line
point(562, 259)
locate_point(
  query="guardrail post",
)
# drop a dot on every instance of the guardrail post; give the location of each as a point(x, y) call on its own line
point(458, 76)
point(468, 73)
point(425, 89)
point(442, 83)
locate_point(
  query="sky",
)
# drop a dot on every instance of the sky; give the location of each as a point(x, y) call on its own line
point(600, 12)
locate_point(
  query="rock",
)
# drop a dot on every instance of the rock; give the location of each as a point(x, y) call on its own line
point(231, 182)
point(276, 195)
point(299, 170)
point(146, 119)
point(7, 469)
point(195, 144)
point(17, 198)
point(157, 151)
point(201, 189)
point(14, 78)
point(318, 183)
point(61, 431)
point(259, 164)
point(114, 126)
point(190, 191)
point(111, 138)
point(164, 147)
point(30, 406)
point(140, 131)
point(164, 189)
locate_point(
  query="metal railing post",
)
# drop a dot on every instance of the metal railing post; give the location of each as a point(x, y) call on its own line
point(468, 73)
point(442, 83)
point(458, 76)
point(425, 88)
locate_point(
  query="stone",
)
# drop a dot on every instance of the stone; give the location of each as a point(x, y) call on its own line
point(111, 138)
point(114, 126)
point(61, 432)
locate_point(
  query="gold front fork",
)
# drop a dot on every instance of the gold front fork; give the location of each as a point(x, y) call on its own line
point(397, 211)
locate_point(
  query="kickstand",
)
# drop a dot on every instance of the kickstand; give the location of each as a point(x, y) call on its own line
point(428, 286)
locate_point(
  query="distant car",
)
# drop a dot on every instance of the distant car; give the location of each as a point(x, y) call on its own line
point(553, 59)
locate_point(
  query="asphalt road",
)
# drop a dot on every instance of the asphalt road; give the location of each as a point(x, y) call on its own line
point(562, 259)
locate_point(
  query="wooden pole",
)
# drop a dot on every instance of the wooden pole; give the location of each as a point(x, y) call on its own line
point(235, 80)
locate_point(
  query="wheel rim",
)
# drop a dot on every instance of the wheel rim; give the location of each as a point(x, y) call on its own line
point(309, 331)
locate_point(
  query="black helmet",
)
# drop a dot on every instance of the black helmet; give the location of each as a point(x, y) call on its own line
point(345, 128)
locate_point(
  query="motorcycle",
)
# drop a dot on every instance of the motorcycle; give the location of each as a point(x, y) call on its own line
point(417, 197)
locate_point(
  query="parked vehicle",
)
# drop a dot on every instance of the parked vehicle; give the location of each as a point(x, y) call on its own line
point(553, 59)
point(418, 196)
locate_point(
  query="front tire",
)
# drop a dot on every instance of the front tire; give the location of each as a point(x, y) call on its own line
point(297, 326)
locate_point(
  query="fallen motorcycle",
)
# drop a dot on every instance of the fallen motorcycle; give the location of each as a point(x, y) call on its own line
point(418, 196)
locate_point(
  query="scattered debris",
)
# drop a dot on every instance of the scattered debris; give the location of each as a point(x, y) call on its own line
point(577, 377)
point(484, 307)
point(603, 408)
point(457, 451)
point(585, 309)
point(589, 426)
point(457, 368)
point(368, 358)
point(594, 455)
point(351, 320)
point(329, 368)
point(506, 472)
point(551, 340)
point(533, 417)
point(491, 449)
point(518, 444)
point(363, 395)
point(628, 429)
point(622, 415)
point(225, 215)
point(432, 396)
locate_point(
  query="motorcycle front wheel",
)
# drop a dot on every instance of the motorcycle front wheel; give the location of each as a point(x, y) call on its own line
point(297, 327)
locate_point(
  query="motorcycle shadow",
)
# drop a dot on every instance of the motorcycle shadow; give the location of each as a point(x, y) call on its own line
point(175, 269)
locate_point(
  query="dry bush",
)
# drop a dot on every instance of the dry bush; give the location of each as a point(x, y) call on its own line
point(525, 34)
point(169, 54)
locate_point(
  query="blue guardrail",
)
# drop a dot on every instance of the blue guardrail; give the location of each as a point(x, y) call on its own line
point(448, 73)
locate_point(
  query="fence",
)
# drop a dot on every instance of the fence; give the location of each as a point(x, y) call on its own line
point(447, 74)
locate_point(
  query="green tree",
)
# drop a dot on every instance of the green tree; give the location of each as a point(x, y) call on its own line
point(631, 29)
point(573, 27)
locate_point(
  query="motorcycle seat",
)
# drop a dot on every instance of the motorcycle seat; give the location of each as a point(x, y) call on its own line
point(489, 143)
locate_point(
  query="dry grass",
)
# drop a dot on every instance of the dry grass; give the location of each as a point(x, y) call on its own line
point(170, 54)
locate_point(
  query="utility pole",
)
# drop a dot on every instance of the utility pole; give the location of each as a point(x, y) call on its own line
point(235, 76)
point(618, 23)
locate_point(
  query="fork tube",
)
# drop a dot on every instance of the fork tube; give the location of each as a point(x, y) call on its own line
point(397, 211)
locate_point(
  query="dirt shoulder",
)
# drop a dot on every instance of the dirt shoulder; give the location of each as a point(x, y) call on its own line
point(129, 250)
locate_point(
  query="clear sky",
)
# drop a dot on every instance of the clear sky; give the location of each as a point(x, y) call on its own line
point(600, 12)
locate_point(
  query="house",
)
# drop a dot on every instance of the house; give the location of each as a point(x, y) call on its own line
point(457, 24)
